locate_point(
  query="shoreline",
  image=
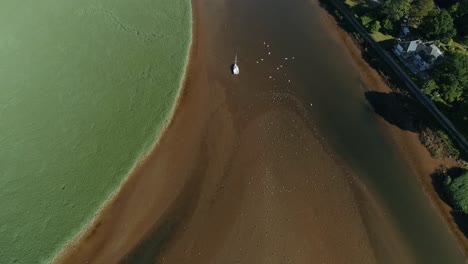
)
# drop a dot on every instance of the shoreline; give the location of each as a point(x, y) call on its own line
point(92, 240)
point(214, 144)
point(422, 164)
point(65, 252)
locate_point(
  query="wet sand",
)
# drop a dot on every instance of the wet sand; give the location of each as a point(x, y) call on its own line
point(407, 143)
point(241, 174)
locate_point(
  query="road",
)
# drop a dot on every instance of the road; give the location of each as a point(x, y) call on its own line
point(412, 87)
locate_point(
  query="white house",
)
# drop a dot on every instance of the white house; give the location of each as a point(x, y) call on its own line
point(417, 55)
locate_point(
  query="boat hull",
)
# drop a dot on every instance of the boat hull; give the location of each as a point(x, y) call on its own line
point(235, 69)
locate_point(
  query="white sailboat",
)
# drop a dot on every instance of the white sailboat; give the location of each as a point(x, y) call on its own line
point(234, 67)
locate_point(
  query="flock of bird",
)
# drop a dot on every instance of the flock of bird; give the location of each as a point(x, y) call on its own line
point(279, 67)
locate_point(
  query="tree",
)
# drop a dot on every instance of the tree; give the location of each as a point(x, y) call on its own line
point(462, 25)
point(421, 8)
point(396, 9)
point(463, 7)
point(431, 89)
point(459, 9)
point(457, 191)
point(452, 77)
point(438, 26)
point(375, 26)
point(387, 26)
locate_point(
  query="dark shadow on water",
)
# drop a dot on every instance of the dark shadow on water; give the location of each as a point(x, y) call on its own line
point(438, 179)
point(393, 108)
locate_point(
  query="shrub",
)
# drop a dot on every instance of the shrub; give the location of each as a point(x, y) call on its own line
point(456, 190)
point(375, 26)
point(438, 143)
point(387, 26)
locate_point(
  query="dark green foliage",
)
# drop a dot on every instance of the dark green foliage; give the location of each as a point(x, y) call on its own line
point(438, 26)
point(387, 27)
point(421, 8)
point(431, 89)
point(464, 40)
point(463, 8)
point(452, 77)
point(461, 24)
point(374, 26)
point(457, 192)
point(396, 9)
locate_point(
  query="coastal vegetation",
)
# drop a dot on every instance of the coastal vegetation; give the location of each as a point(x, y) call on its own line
point(447, 27)
point(447, 86)
point(456, 189)
point(86, 88)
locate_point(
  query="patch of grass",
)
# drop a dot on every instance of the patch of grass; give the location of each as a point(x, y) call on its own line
point(460, 47)
point(351, 3)
point(365, 20)
point(86, 87)
point(379, 36)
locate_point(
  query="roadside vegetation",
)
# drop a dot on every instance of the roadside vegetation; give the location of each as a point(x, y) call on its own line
point(447, 84)
point(447, 27)
point(456, 189)
point(452, 186)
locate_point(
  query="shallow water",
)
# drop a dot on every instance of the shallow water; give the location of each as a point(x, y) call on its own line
point(329, 87)
point(85, 88)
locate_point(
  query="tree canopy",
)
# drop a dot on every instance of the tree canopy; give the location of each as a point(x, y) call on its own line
point(463, 7)
point(438, 25)
point(457, 191)
point(462, 25)
point(396, 9)
point(421, 8)
point(452, 77)
point(375, 26)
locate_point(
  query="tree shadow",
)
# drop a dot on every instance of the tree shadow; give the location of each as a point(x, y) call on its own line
point(387, 44)
point(438, 181)
point(393, 107)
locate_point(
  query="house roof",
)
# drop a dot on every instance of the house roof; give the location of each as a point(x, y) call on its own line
point(433, 50)
point(405, 30)
point(428, 48)
point(410, 46)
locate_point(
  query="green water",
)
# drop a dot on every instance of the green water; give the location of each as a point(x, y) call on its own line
point(85, 88)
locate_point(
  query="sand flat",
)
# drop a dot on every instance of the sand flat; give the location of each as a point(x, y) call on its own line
point(240, 175)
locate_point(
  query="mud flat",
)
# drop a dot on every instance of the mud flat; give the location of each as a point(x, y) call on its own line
point(406, 141)
point(241, 174)
point(258, 168)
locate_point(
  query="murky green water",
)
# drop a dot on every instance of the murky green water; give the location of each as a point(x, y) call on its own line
point(85, 86)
